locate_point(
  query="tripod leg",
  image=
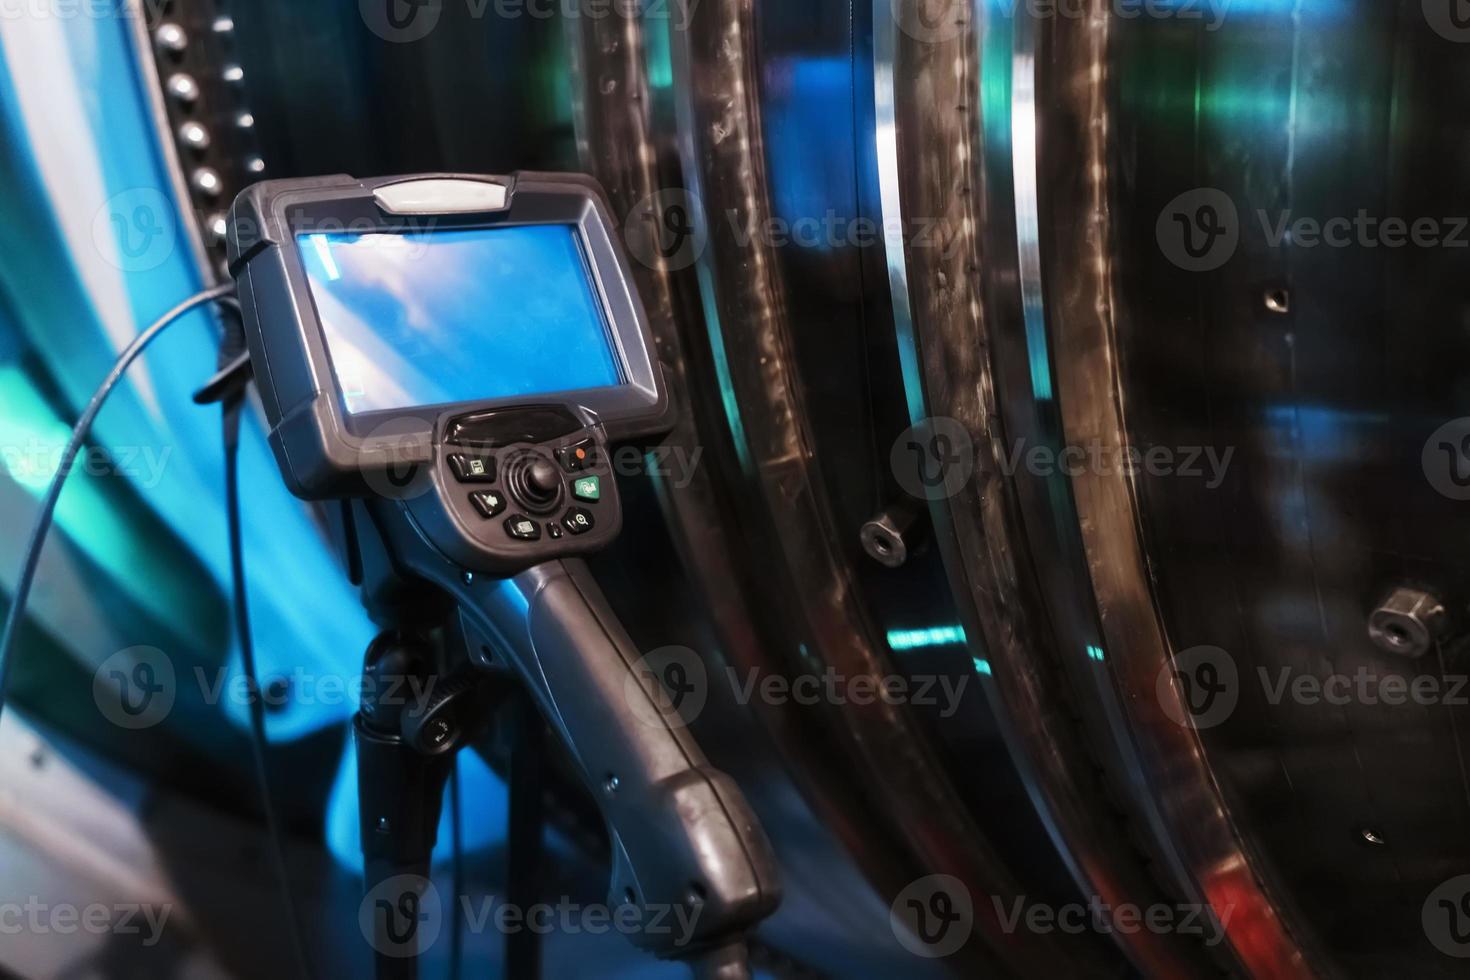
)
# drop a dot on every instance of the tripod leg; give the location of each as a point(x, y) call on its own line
point(400, 793)
point(526, 844)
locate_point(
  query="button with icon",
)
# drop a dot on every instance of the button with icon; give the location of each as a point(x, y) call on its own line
point(588, 488)
point(472, 469)
point(489, 503)
point(579, 521)
point(523, 528)
point(578, 456)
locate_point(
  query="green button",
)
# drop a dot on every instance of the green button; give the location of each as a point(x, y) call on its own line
point(588, 488)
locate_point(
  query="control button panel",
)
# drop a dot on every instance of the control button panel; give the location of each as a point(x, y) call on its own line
point(524, 500)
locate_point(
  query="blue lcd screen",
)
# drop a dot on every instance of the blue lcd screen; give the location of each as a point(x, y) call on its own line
point(439, 317)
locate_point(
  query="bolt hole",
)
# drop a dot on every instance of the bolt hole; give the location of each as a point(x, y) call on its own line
point(610, 784)
point(629, 898)
point(697, 894)
point(1396, 634)
point(1278, 301)
point(882, 545)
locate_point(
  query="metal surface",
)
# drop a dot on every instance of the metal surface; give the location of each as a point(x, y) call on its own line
point(1026, 169)
point(961, 310)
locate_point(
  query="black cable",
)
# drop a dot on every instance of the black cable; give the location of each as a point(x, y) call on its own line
point(456, 928)
point(231, 406)
point(79, 435)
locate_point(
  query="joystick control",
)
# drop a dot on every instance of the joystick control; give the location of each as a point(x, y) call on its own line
point(536, 483)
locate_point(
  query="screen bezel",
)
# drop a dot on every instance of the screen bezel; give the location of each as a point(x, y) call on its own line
point(587, 270)
point(354, 209)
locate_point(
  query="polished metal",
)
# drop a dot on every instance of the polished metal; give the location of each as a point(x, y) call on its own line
point(1019, 165)
point(1408, 623)
point(183, 88)
point(895, 534)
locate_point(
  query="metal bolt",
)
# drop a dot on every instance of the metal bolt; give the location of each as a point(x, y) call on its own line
point(1408, 622)
point(894, 535)
point(207, 181)
point(194, 134)
point(171, 37)
point(183, 88)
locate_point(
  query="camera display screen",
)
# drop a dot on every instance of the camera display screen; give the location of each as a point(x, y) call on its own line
point(428, 318)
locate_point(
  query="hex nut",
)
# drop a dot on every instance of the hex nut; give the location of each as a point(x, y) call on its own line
point(1408, 623)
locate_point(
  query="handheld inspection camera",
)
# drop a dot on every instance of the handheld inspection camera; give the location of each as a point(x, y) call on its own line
point(446, 361)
